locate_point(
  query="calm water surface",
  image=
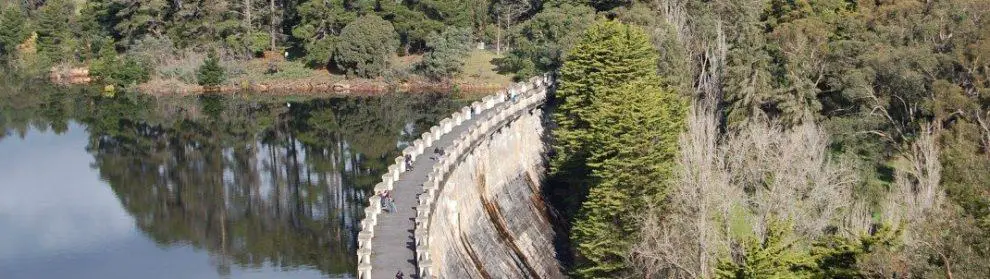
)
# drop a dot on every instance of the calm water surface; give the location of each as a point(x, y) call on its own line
point(133, 186)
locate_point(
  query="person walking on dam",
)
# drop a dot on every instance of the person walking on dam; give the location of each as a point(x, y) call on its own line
point(389, 201)
point(408, 162)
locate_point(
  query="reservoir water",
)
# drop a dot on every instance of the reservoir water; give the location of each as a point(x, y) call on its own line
point(135, 186)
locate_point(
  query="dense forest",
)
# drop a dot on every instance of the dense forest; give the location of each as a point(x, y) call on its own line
point(777, 139)
point(127, 42)
point(692, 139)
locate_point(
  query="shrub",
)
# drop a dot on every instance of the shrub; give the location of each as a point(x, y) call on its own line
point(318, 52)
point(446, 58)
point(114, 70)
point(211, 73)
point(156, 51)
point(249, 44)
point(366, 47)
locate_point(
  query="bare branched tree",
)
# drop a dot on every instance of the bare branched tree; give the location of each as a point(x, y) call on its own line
point(687, 242)
point(758, 173)
point(917, 191)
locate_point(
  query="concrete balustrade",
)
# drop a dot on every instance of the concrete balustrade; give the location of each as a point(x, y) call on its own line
point(526, 96)
point(535, 86)
point(387, 180)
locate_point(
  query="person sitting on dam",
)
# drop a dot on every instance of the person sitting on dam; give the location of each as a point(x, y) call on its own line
point(384, 202)
point(438, 152)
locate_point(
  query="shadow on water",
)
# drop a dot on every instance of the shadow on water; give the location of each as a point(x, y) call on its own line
point(251, 180)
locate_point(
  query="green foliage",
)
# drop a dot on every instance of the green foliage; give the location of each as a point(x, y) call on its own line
point(53, 27)
point(366, 47)
point(608, 55)
point(457, 13)
point(600, 5)
point(542, 40)
point(133, 20)
point(13, 29)
point(777, 255)
point(211, 73)
point(448, 51)
point(966, 169)
point(319, 24)
point(111, 69)
point(413, 26)
point(840, 257)
point(620, 125)
point(635, 130)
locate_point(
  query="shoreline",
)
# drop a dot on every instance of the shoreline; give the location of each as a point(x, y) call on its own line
point(316, 86)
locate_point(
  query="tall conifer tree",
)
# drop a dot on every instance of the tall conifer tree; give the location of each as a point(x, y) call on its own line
point(618, 128)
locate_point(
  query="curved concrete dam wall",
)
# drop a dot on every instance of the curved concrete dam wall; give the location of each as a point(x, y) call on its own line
point(476, 211)
point(489, 220)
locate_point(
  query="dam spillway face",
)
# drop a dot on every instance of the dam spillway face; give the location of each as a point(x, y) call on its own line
point(489, 220)
point(477, 211)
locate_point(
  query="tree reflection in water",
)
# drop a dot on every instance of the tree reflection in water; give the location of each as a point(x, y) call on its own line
point(253, 182)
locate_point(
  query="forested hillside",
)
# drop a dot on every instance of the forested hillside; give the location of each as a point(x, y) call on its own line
point(692, 139)
point(824, 139)
point(127, 42)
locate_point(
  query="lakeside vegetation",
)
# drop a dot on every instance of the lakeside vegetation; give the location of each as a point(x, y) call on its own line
point(692, 139)
point(161, 44)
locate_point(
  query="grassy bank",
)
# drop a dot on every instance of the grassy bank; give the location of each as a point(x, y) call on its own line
point(277, 75)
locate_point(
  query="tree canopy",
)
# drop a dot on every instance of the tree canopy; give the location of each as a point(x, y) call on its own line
point(366, 47)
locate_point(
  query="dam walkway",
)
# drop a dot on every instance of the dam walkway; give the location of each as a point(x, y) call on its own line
point(394, 246)
point(387, 243)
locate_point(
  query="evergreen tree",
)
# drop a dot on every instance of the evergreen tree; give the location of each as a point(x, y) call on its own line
point(776, 256)
point(366, 47)
point(446, 59)
point(635, 130)
point(320, 22)
point(211, 73)
point(621, 124)
point(608, 55)
point(54, 33)
point(413, 26)
point(13, 29)
point(542, 39)
point(113, 69)
point(135, 19)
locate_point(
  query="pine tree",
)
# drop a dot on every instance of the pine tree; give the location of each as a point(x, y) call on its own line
point(608, 55)
point(448, 51)
point(211, 73)
point(619, 125)
point(319, 24)
point(54, 32)
point(634, 131)
point(366, 47)
point(13, 29)
point(775, 256)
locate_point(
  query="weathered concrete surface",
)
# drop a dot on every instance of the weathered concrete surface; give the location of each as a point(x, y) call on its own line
point(494, 155)
point(393, 245)
point(489, 219)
